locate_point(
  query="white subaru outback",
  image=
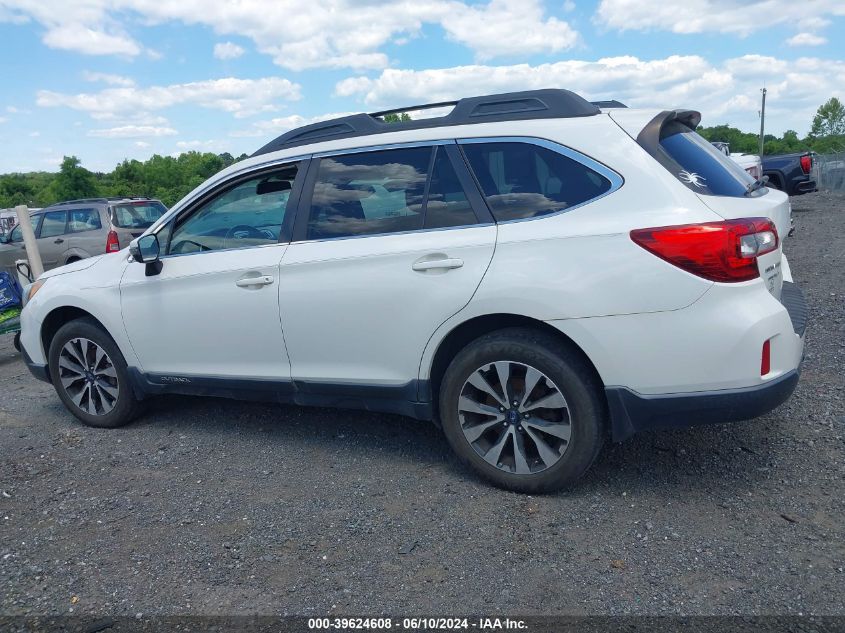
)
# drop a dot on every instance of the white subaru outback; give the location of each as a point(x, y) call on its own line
point(531, 272)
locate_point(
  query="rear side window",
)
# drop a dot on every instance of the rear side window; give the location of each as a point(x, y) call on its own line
point(447, 204)
point(369, 193)
point(702, 167)
point(522, 180)
point(53, 224)
point(137, 215)
point(84, 220)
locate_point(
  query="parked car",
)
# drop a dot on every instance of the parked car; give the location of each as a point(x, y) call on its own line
point(521, 270)
point(751, 163)
point(791, 173)
point(77, 229)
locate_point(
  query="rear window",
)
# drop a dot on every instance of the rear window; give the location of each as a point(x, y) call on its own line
point(703, 168)
point(137, 215)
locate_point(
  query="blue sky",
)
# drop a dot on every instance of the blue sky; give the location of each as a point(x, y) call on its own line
point(112, 79)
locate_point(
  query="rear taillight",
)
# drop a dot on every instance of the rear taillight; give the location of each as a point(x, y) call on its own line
point(112, 243)
point(806, 163)
point(718, 251)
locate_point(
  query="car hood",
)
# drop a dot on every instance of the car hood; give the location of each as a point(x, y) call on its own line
point(81, 264)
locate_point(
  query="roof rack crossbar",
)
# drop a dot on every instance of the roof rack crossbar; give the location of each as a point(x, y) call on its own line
point(513, 106)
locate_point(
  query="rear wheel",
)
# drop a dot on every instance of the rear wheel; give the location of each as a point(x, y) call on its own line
point(89, 374)
point(524, 410)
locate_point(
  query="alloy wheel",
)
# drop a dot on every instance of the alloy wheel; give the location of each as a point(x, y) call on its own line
point(88, 376)
point(514, 417)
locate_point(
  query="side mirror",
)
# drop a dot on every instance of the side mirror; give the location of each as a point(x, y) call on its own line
point(146, 250)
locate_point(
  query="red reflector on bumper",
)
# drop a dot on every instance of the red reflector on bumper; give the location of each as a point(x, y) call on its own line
point(766, 361)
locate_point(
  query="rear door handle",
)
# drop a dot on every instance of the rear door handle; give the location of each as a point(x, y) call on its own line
point(246, 282)
point(435, 264)
point(58, 241)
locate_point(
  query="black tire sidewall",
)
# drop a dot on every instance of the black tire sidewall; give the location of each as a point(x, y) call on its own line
point(127, 405)
point(569, 373)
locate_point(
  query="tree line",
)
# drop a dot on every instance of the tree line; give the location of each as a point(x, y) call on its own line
point(166, 178)
point(170, 178)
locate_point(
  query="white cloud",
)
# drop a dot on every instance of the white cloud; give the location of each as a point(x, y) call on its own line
point(34, 134)
point(278, 125)
point(73, 36)
point(722, 16)
point(141, 144)
point(508, 27)
point(302, 34)
point(3, 119)
point(132, 131)
point(106, 78)
point(227, 50)
point(806, 39)
point(728, 92)
point(240, 97)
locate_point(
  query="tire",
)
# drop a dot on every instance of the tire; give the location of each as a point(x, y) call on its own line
point(113, 404)
point(17, 341)
point(72, 259)
point(566, 378)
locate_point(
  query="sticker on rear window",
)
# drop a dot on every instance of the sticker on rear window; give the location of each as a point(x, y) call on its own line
point(692, 178)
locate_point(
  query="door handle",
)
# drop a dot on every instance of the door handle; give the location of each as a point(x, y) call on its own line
point(437, 264)
point(246, 282)
point(58, 241)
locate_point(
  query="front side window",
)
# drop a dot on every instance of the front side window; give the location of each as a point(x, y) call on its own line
point(17, 236)
point(137, 215)
point(369, 193)
point(53, 224)
point(248, 214)
point(522, 180)
point(84, 220)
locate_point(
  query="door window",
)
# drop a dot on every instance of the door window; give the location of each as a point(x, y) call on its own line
point(522, 180)
point(248, 214)
point(54, 224)
point(369, 193)
point(17, 236)
point(447, 204)
point(84, 220)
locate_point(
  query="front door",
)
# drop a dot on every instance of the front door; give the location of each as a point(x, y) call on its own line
point(213, 310)
point(387, 248)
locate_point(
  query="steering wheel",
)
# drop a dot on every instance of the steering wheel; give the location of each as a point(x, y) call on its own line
point(243, 232)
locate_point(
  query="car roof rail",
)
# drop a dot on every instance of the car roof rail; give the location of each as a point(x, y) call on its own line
point(119, 198)
point(549, 103)
point(79, 201)
point(606, 105)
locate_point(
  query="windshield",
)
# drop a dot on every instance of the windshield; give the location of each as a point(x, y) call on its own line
point(704, 168)
point(137, 215)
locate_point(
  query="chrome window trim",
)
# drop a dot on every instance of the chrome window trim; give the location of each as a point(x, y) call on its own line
point(616, 180)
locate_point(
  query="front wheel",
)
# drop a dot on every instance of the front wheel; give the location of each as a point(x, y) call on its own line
point(524, 410)
point(89, 374)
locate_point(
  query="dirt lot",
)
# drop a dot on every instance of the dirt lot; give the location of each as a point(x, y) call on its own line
point(211, 507)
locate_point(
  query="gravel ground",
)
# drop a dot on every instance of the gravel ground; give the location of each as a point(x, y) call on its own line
point(210, 506)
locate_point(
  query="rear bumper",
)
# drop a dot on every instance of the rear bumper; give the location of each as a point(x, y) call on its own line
point(631, 412)
point(801, 185)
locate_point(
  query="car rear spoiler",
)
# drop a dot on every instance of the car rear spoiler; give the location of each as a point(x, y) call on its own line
point(649, 137)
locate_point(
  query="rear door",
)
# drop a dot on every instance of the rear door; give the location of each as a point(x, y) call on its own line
point(388, 245)
point(52, 238)
point(86, 236)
